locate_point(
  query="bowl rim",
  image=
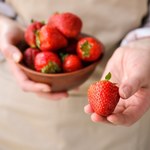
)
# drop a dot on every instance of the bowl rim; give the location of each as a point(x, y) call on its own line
point(57, 74)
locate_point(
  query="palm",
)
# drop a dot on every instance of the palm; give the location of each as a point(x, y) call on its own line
point(132, 108)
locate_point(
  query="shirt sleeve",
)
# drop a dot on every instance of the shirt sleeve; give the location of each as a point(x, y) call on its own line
point(139, 33)
point(7, 10)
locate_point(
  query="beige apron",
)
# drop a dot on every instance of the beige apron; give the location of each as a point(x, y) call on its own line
point(30, 123)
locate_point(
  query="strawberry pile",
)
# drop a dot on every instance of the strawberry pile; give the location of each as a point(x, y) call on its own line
point(59, 46)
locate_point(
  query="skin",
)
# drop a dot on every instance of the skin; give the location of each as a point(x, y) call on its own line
point(12, 33)
point(130, 69)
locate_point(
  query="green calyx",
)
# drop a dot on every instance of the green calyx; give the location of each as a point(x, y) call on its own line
point(37, 39)
point(42, 22)
point(51, 67)
point(63, 56)
point(108, 76)
point(32, 20)
point(86, 47)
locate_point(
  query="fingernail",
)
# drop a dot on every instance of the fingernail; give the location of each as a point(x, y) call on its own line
point(126, 92)
point(16, 57)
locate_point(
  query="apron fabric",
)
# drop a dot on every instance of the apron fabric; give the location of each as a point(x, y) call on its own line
point(28, 122)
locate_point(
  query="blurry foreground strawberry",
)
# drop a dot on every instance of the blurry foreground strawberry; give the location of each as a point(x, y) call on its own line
point(67, 23)
point(47, 62)
point(30, 33)
point(50, 39)
point(29, 56)
point(103, 96)
point(71, 63)
point(89, 49)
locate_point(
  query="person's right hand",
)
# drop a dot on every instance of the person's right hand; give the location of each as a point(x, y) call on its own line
point(12, 33)
point(130, 69)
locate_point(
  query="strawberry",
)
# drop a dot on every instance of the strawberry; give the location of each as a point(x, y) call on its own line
point(29, 56)
point(30, 32)
point(103, 96)
point(47, 62)
point(50, 39)
point(71, 63)
point(67, 23)
point(89, 49)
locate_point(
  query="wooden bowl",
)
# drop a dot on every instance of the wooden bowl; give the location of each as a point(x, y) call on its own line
point(61, 81)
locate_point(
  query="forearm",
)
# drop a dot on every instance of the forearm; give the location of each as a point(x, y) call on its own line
point(7, 10)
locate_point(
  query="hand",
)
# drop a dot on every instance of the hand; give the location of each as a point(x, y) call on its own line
point(130, 69)
point(11, 34)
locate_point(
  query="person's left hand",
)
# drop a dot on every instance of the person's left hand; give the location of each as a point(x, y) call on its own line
point(130, 68)
point(12, 33)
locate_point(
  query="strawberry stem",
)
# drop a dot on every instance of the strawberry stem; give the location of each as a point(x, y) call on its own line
point(37, 39)
point(43, 22)
point(108, 76)
point(63, 56)
point(32, 20)
point(51, 67)
point(86, 47)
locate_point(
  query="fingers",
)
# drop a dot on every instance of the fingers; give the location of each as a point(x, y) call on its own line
point(121, 116)
point(26, 84)
point(42, 90)
point(95, 117)
point(130, 85)
point(88, 109)
point(117, 119)
point(11, 52)
point(126, 119)
point(113, 119)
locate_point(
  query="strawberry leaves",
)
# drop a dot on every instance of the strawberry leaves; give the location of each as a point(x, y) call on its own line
point(51, 67)
point(85, 47)
point(108, 76)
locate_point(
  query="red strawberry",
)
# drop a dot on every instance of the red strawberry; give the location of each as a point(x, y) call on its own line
point(29, 56)
point(68, 23)
point(103, 96)
point(71, 63)
point(47, 62)
point(31, 31)
point(89, 49)
point(50, 39)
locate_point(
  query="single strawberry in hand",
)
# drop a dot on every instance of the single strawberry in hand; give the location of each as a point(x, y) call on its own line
point(50, 39)
point(71, 62)
point(30, 33)
point(89, 49)
point(47, 62)
point(29, 56)
point(103, 96)
point(67, 23)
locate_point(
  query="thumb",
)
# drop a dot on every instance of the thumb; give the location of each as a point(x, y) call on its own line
point(12, 52)
point(129, 86)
